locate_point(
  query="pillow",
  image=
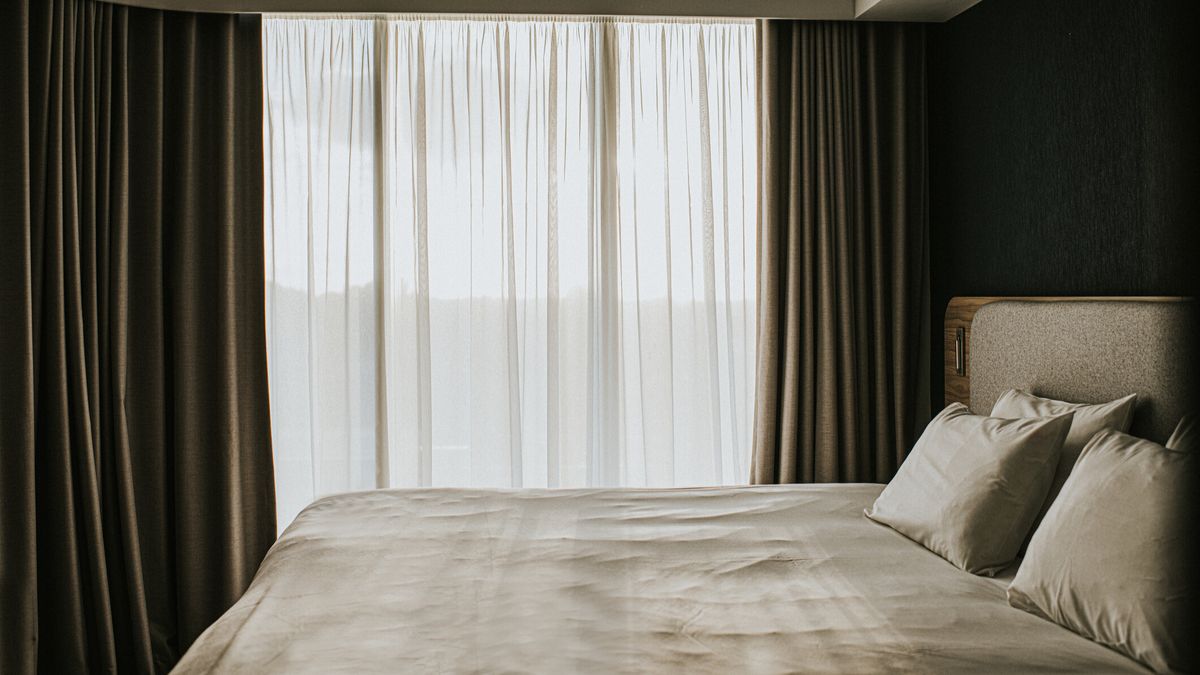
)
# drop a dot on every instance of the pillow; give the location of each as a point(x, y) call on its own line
point(1089, 419)
point(1184, 436)
point(971, 486)
point(1113, 559)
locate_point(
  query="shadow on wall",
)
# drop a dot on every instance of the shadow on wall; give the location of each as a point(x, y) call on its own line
point(1063, 139)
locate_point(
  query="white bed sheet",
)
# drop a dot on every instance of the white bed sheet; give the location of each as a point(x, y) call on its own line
point(713, 580)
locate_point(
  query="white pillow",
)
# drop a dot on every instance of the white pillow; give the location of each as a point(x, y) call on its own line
point(1089, 419)
point(1184, 436)
point(971, 486)
point(1114, 558)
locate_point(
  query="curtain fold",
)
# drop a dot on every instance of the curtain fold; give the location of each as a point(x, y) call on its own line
point(509, 253)
point(136, 475)
point(843, 270)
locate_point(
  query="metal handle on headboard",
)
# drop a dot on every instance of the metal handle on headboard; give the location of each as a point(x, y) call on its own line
point(960, 361)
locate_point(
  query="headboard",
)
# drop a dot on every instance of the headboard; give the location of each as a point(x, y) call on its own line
point(1083, 349)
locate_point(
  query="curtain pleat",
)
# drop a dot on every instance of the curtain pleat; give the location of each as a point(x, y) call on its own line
point(843, 272)
point(137, 478)
point(509, 252)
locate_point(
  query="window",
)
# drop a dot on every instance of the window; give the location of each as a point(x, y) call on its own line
point(509, 252)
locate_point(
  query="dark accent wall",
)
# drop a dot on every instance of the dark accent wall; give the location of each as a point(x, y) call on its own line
point(1063, 139)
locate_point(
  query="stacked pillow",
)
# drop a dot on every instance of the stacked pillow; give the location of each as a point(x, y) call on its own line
point(1087, 421)
point(1114, 559)
point(1103, 515)
point(1185, 434)
point(972, 485)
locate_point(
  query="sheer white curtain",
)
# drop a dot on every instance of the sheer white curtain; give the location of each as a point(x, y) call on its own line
point(509, 252)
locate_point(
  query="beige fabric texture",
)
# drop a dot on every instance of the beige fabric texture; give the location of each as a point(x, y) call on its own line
point(764, 579)
point(1088, 420)
point(1113, 560)
point(971, 487)
point(1092, 351)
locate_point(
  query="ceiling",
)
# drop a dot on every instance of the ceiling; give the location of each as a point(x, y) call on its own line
point(864, 10)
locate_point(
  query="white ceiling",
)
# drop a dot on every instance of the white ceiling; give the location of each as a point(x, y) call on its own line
point(910, 10)
point(867, 10)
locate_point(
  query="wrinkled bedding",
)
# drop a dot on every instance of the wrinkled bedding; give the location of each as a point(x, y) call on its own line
point(706, 580)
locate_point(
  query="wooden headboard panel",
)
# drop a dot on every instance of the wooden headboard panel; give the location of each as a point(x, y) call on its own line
point(1053, 360)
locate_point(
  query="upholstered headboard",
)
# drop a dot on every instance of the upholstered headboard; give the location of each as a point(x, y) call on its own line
point(1076, 349)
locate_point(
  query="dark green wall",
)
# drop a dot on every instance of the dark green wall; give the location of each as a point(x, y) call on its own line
point(1062, 150)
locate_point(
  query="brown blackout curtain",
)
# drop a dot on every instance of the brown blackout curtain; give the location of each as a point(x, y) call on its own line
point(136, 475)
point(843, 269)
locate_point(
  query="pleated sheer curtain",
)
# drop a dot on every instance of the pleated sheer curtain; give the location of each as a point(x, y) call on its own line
point(515, 253)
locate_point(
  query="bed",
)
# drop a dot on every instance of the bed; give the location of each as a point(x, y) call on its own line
point(706, 580)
